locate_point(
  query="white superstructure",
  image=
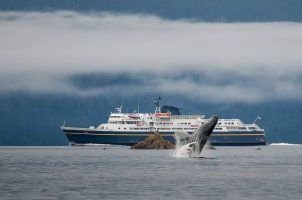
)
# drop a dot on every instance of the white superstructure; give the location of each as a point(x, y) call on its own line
point(166, 122)
point(130, 128)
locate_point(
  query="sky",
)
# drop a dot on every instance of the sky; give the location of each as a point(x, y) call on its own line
point(246, 62)
point(75, 60)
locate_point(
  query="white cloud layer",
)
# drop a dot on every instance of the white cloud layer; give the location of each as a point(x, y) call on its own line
point(261, 61)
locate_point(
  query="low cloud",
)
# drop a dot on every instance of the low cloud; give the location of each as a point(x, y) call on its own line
point(249, 62)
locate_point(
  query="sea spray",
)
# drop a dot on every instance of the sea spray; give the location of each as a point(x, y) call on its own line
point(191, 145)
point(185, 151)
point(283, 144)
point(180, 148)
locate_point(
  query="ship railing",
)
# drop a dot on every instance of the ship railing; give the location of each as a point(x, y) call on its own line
point(252, 125)
point(187, 116)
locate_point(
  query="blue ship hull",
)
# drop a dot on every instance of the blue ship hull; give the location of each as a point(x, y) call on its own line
point(236, 138)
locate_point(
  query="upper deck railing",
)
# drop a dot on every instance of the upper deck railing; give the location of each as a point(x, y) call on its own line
point(187, 116)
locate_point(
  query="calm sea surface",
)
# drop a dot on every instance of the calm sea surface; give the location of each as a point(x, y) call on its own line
point(274, 172)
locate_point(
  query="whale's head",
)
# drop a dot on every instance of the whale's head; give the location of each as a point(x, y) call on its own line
point(203, 133)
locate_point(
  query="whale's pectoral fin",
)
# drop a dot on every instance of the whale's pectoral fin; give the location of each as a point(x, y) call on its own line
point(182, 135)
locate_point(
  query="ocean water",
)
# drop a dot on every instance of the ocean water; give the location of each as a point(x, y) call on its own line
point(111, 172)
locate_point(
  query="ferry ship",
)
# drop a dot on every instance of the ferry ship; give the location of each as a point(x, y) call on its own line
point(131, 128)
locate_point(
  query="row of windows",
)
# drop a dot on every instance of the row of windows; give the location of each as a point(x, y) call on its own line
point(127, 122)
point(229, 123)
point(159, 123)
point(134, 128)
point(217, 128)
point(115, 122)
point(138, 128)
point(164, 123)
point(115, 117)
point(132, 122)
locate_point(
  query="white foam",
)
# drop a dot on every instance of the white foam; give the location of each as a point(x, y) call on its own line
point(284, 144)
point(183, 150)
point(95, 145)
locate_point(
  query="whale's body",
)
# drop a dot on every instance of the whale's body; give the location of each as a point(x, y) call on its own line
point(199, 138)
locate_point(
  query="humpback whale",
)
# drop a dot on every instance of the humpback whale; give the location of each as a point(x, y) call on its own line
point(195, 142)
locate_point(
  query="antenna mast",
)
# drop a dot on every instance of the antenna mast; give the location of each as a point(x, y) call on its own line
point(157, 105)
point(119, 109)
point(258, 117)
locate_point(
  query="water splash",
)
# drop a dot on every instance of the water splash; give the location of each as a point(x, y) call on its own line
point(283, 144)
point(184, 150)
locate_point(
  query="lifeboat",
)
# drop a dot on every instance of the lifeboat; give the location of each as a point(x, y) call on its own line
point(163, 115)
point(134, 116)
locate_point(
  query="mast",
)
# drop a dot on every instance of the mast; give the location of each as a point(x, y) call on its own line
point(157, 105)
point(119, 109)
point(258, 117)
